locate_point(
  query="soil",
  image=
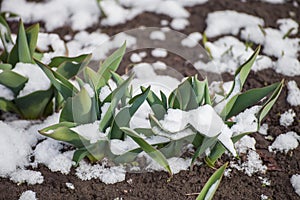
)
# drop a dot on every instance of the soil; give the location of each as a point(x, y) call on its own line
point(185, 184)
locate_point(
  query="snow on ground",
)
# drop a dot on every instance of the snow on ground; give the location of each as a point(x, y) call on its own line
point(285, 142)
point(295, 181)
point(293, 97)
point(287, 118)
point(28, 195)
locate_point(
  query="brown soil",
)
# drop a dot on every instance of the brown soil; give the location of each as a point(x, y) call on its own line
point(183, 186)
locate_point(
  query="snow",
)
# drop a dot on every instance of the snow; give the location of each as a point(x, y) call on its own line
point(158, 35)
point(264, 197)
point(287, 118)
point(70, 186)
point(285, 25)
point(135, 58)
point(90, 132)
point(59, 13)
point(191, 40)
point(293, 97)
point(159, 53)
point(264, 129)
point(288, 66)
point(295, 181)
point(244, 144)
point(28, 176)
point(110, 175)
point(179, 23)
point(89, 90)
point(253, 164)
point(285, 142)
point(220, 22)
point(14, 149)
point(6, 93)
point(37, 80)
point(28, 195)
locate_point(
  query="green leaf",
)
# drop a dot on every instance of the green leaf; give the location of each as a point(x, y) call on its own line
point(65, 88)
point(80, 154)
point(5, 66)
point(269, 104)
point(34, 105)
point(207, 99)
point(122, 119)
point(207, 142)
point(5, 34)
point(63, 132)
point(13, 81)
point(212, 184)
point(243, 71)
point(8, 106)
point(32, 33)
point(117, 94)
point(21, 51)
point(110, 64)
point(70, 66)
point(151, 151)
point(240, 102)
point(79, 109)
point(157, 106)
point(199, 89)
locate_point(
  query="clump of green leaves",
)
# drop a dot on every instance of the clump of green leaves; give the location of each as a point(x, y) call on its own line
point(37, 104)
point(84, 108)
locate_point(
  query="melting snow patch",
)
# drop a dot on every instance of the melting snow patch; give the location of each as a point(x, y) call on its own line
point(229, 22)
point(28, 195)
point(90, 132)
point(285, 142)
point(289, 66)
point(264, 129)
point(6, 93)
point(28, 176)
point(192, 40)
point(287, 118)
point(244, 144)
point(286, 25)
point(293, 97)
point(295, 181)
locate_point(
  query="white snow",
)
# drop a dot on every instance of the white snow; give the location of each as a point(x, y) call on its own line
point(89, 90)
point(135, 58)
point(28, 195)
point(264, 129)
point(110, 175)
point(179, 23)
point(6, 93)
point(285, 25)
point(293, 97)
point(70, 186)
point(288, 66)
point(14, 148)
point(158, 35)
point(221, 22)
point(191, 40)
point(90, 132)
point(159, 53)
point(28, 176)
point(285, 142)
point(37, 80)
point(244, 144)
point(59, 13)
point(287, 118)
point(295, 181)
